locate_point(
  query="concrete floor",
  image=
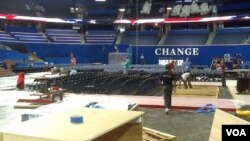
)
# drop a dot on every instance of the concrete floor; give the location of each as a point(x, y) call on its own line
point(185, 125)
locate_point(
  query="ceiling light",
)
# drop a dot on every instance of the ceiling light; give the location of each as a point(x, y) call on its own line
point(122, 9)
point(169, 8)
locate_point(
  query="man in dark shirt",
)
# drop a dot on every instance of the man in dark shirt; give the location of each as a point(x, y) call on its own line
point(168, 81)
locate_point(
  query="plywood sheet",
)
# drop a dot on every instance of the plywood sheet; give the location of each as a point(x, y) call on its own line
point(222, 118)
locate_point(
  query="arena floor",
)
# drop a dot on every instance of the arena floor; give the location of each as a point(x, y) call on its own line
point(182, 121)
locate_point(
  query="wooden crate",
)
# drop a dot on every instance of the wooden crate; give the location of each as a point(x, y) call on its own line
point(154, 135)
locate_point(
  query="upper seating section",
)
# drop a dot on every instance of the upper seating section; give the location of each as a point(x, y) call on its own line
point(55, 9)
point(16, 7)
point(157, 11)
point(233, 8)
point(63, 36)
point(100, 37)
point(5, 37)
point(231, 35)
point(146, 11)
point(26, 34)
point(147, 37)
point(103, 14)
point(30, 37)
point(82, 9)
point(187, 37)
point(193, 9)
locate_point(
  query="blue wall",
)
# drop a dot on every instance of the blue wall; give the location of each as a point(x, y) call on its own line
point(202, 55)
point(83, 53)
point(14, 55)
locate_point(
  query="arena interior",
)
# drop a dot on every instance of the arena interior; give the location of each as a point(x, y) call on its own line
point(47, 96)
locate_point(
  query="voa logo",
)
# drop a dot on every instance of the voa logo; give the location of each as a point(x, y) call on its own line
point(236, 132)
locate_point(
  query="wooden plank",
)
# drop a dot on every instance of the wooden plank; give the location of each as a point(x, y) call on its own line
point(222, 118)
point(159, 136)
point(156, 135)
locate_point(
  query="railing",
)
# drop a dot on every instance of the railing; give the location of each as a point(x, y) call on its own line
point(107, 37)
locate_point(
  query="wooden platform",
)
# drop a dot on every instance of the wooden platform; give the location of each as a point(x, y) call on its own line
point(197, 91)
point(98, 125)
point(184, 103)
